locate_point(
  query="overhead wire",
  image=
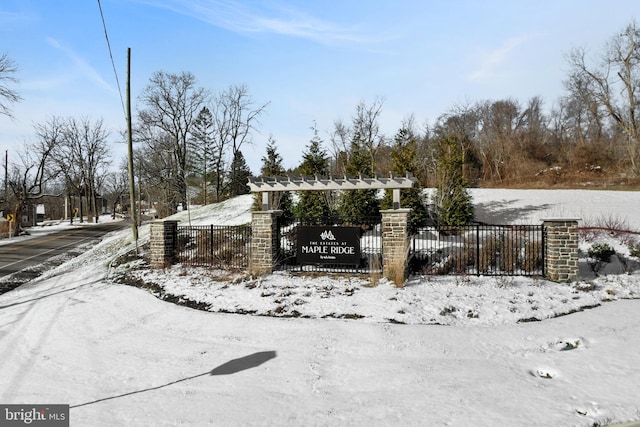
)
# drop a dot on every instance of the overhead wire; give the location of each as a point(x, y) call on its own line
point(106, 35)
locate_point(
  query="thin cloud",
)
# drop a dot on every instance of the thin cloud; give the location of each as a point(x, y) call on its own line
point(85, 69)
point(239, 17)
point(491, 62)
point(8, 20)
point(8, 17)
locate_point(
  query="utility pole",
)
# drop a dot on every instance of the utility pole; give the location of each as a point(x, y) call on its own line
point(132, 184)
point(6, 174)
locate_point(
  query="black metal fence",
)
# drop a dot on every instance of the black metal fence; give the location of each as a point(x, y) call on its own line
point(468, 250)
point(370, 248)
point(478, 249)
point(214, 246)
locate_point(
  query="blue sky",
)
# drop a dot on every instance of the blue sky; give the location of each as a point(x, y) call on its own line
point(314, 61)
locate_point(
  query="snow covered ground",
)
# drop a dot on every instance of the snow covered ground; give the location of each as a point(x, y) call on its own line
point(442, 351)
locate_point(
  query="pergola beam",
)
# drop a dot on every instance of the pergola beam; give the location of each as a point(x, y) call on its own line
point(319, 183)
point(266, 185)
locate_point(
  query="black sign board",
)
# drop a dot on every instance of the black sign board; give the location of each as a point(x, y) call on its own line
point(328, 245)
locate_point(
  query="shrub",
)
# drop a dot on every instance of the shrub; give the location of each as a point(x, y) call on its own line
point(613, 224)
point(601, 252)
point(397, 272)
point(509, 253)
point(533, 255)
point(488, 253)
point(455, 263)
point(634, 249)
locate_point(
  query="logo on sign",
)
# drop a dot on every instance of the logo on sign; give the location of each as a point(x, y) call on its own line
point(327, 235)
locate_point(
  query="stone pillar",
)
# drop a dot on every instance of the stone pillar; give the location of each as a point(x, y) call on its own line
point(164, 241)
point(561, 253)
point(264, 241)
point(395, 244)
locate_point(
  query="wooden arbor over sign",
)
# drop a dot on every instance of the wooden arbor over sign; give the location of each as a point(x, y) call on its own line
point(266, 185)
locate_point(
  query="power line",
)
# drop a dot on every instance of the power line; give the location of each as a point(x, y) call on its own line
point(106, 35)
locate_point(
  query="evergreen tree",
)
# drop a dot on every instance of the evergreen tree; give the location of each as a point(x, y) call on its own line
point(404, 160)
point(239, 175)
point(272, 167)
point(313, 206)
point(202, 151)
point(359, 206)
point(452, 200)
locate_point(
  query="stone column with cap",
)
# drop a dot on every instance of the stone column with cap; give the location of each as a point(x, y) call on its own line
point(561, 254)
point(264, 241)
point(164, 241)
point(395, 244)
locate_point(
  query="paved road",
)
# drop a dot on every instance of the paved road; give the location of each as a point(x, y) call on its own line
point(23, 260)
point(629, 424)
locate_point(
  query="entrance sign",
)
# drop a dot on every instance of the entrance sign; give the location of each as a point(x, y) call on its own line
point(328, 245)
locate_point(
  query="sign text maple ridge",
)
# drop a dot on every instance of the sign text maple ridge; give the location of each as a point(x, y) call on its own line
point(328, 245)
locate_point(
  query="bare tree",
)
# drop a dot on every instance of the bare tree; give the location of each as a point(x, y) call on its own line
point(535, 136)
point(236, 117)
point(366, 128)
point(116, 185)
point(364, 132)
point(614, 82)
point(86, 142)
point(462, 123)
point(8, 96)
point(500, 124)
point(157, 170)
point(81, 157)
point(172, 103)
point(28, 179)
point(340, 141)
point(579, 117)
